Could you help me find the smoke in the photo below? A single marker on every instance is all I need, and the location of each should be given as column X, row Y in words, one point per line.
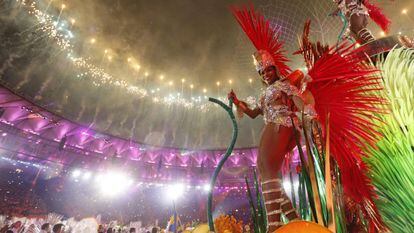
column 8, row 63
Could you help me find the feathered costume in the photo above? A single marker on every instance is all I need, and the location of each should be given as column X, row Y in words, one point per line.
column 343, row 88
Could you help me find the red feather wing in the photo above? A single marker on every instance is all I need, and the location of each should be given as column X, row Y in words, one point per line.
column 345, row 88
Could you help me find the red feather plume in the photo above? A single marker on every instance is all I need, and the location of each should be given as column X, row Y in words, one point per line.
column 375, row 13
column 345, row 87
column 262, row 35
column 310, row 51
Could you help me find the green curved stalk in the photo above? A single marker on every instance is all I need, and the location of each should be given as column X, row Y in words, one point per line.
column 343, row 30
column 253, row 212
column 229, row 110
column 261, row 212
column 345, row 22
column 305, row 172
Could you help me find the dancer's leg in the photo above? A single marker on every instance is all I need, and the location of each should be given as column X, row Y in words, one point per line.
column 359, row 22
column 287, row 208
column 275, row 143
column 272, row 193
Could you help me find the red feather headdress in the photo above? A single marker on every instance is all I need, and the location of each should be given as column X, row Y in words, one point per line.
column 264, row 38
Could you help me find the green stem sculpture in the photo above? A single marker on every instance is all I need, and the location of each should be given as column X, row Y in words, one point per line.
column 253, row 212
column 229, row 110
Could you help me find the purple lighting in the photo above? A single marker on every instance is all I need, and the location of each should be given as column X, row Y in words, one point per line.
column 24, row 123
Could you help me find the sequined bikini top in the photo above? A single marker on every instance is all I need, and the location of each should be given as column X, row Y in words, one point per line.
column 273, row 110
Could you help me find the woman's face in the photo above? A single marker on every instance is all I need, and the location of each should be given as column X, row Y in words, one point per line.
column 270, row 75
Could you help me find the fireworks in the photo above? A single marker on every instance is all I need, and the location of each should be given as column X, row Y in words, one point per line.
column 59, row 31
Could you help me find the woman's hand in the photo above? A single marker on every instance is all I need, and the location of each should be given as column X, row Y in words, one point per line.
column 231, row 95
column 242, row 107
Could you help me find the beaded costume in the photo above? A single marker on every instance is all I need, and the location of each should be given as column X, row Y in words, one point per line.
column 352, row 7
column 273, row 110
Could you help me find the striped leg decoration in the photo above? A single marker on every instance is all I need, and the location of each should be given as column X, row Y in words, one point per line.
column 272, row 194
column 365, row 36
column 287, row 208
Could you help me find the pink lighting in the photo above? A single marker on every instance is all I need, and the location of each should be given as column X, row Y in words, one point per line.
column 85, row 147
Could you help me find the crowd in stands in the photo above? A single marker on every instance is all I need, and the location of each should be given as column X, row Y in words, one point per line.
column 54, row 223
column 25, row 206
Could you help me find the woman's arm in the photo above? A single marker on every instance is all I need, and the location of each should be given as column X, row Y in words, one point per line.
column 243, row 106
column 252, row 113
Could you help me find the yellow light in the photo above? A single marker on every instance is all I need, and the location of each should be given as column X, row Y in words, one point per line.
column 182, row 80
column 137, row 67
column 129, row 59
column 230, row 81
column 63, row 6
column 110, row 58
column 93, row 40
column 218, row 83
column 170, row 83
column 250, row 80
column 72, row 21
column 191, row 86
column 161, row 77
column 106, row 51
column 382, row 33
column 205, row 90
column 404, row 11
column 399, row 33
column 146, row 74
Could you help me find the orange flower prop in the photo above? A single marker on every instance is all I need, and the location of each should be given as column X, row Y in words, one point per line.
column 227, row 224
column 302, row 227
